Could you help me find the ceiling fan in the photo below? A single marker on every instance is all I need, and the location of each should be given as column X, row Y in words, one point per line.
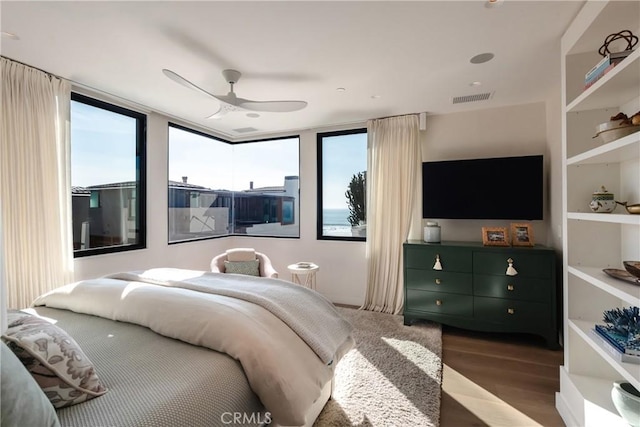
column 230, row 102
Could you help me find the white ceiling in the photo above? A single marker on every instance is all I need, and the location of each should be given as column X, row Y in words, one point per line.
column 413, row 55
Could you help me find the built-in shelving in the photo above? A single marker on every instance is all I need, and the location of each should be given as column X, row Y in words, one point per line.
column 627, row 292
column 605, row 217
column 617, row 87
column 595, row 394
column 620, row 150
column 593, row 241
column 629, row 371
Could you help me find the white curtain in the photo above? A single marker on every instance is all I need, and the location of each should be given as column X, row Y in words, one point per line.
column 393, row 169
column 35, row 183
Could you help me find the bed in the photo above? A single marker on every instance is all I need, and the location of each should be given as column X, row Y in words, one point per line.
column 183, row 347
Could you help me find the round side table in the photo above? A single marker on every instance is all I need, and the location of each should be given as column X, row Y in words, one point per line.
column 304, row 276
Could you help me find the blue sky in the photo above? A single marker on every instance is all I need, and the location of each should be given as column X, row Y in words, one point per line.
column 343, row 156
column 103, row 151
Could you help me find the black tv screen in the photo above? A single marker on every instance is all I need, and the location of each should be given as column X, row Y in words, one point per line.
column 497, row 188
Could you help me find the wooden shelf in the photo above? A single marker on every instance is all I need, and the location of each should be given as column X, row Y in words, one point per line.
column 620, row 150
column 595, row 397
column 629, row 371
column 603, row 217
column 627, row 292
column 615, row 88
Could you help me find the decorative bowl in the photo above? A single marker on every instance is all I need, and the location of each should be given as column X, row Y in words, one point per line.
column 632, row 209
column 610, row 131
column 626, row 399
column 632, row 267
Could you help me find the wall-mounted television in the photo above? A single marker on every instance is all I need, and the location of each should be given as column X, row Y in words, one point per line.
column 508, row 188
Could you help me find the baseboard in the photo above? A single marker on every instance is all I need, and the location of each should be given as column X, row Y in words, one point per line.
column 565, row 412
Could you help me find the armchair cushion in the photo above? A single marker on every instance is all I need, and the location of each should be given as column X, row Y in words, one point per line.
column 250, row 268
column 243, row 254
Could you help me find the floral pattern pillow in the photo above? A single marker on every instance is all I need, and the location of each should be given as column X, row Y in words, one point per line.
column 250, row 268
column 54, row 359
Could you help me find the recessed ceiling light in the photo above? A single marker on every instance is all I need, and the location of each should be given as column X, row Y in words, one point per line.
column 493, row 3
column 341, row 89
column 375, row 97
column 475, row 83
column 253, row 115
column 10, row 35
column 482, row 58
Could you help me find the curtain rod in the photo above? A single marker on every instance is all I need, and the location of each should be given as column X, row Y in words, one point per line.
column 78, row 85
column 31, row 66
column 397, row 115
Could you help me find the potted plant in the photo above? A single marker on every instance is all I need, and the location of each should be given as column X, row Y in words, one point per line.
column 356, row 197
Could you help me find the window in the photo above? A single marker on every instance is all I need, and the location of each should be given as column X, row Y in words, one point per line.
column 107, row 177
column 342, row 170
column 218, row 189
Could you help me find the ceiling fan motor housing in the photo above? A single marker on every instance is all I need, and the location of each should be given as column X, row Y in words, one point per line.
column 231, row 76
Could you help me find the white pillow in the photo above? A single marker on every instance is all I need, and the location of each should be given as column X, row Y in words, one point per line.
column 241, row 254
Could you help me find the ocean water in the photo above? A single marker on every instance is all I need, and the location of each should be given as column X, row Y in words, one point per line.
column 335, row 217
column 335, row 222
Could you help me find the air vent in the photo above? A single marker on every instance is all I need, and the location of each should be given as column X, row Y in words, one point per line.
column 472, row 98
column 245, row 130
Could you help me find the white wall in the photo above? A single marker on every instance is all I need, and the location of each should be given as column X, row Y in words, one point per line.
column 519, row 130
column 498, row 132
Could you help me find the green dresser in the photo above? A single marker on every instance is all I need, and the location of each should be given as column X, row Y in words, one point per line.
column 473, row 291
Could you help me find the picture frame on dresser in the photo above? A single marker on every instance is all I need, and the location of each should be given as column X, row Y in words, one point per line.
column 521, row 234
column 495, row 236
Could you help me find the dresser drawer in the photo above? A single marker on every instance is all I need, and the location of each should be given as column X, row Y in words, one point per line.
column 516, row 287
column 439, row 302
column 521, row 313
column 439, row 281
column 451, row 258
column 526, row 264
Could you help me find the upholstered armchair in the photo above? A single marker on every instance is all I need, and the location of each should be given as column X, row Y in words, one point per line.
column 238, row 259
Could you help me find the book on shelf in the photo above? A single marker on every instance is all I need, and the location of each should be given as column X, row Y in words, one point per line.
column 615, row 351
column 611, row 58
column 619, row 341
column 594, row 80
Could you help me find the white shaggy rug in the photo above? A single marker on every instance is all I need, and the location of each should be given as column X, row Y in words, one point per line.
column 392, row 377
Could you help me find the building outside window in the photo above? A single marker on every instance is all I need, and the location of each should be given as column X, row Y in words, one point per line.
column 107, row 177
column 342, row 165
column 218, row 189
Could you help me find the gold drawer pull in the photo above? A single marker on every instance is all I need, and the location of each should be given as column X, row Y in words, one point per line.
column 438, row 281
column 438, row 302
column 510, row 287
column 511, row 311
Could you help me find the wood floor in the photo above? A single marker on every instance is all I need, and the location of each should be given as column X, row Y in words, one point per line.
column 498, row 380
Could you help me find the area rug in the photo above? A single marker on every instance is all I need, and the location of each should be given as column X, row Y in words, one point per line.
column 392, row 377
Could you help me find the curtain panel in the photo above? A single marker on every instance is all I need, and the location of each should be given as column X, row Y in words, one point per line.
column 35, row 183
column 393, row 169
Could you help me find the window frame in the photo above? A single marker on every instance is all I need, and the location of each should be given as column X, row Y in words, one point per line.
column 217, row 138
column 141, row 174
column 319, row 216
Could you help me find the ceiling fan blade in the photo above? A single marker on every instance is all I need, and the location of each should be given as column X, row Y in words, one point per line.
column 218, row 114
column 224, row 109
column 184, row 82
column 273, row 106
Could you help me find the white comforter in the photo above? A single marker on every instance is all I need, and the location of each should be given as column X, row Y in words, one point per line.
column 285, row 371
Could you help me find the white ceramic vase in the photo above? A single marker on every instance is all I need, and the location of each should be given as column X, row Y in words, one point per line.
column 627, row 401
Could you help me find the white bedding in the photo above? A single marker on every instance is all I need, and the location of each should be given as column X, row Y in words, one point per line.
column 282, row 369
